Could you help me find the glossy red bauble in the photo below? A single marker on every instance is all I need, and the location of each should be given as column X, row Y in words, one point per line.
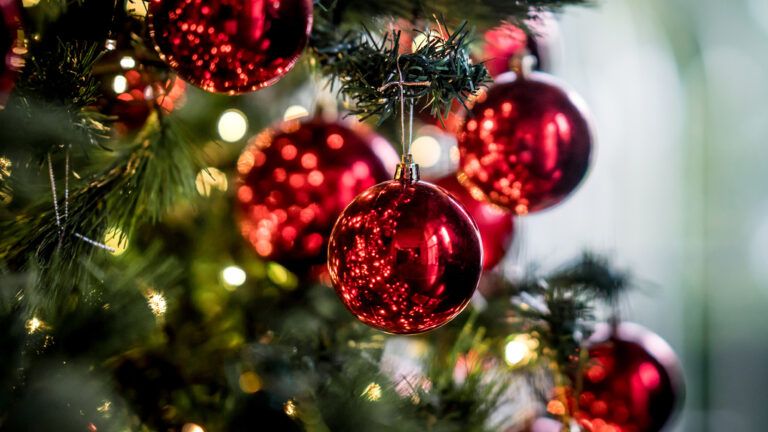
column 496, row 225
column 231, row 46
column 131, row 90
column 527, row 144
column 405, row 257
column 10, row 54
column 295, row 179
column 632, row 383
column 502, row 43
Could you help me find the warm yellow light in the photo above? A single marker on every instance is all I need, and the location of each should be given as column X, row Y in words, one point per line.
column 6, row 167
column 250, row 382
column 120, row 84
column 127, row 62
column 210, row 179
column 137, row 8
column 233, row 276
column 104, row 407
column 191, row 427
column 157, row 303
column 372, row 392
column 233, row 125
column 115, row 239
column 30, row 3
column 34, row 325
column 295, row 112
column 426, row 151
column 290, row 408
column 520, row 350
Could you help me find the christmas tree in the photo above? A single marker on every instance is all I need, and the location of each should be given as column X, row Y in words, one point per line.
column 163, row 269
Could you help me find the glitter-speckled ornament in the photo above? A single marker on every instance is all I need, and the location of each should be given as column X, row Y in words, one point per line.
column 496, row 224
column 528, row 143
column 296, row 179
column 632, row 383
column 10, row 54
column 231, row 46
column 405, row 257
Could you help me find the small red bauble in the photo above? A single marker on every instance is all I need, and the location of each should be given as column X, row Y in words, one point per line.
column 495, row 224
column 130, row 90
column 405, row 257
column 231, row 46
column 528, row 143
column 10, row 56
column 502, row 43
column 632, row 383
column 297, row 178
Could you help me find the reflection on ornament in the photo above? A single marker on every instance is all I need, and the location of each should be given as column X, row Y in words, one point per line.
column 295, row 112
column 230, row 46
column 632, row 383
column 527, row 145
column 405, row 257
column 296, row 179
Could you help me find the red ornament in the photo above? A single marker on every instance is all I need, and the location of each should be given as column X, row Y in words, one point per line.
column 632, row 383
column 10, row 50
column 405, row 257
column 231, row 46
column 527, row 144
column 495, row 224
column 502, row 43
column 130, row 90
column 297, row 178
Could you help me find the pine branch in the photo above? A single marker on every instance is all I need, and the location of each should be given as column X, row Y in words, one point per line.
column 367, row 70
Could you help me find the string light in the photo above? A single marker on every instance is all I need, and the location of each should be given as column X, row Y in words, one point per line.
column 120, row 84
column 233, row 276
column 34, row 325
column 520, row 350
column 157, row 303
column 233, row 125
column 250, row 382
column 372, row 392
column 290, row 408
column 295, row 112
column 210, row 179
column 127, row 62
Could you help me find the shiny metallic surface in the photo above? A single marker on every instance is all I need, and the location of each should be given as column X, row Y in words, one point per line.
column 405, row 257
column 527, row 144
column 295, row 180
column 231, row 46
column 496, row 224
column 633, row 382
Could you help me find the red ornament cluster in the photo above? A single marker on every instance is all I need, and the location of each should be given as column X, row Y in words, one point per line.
column 296, row 179
column 231, row 46
column 633, row 382
column 10, row 55
column 527, row 144
column 405, row 257
column 496, row 225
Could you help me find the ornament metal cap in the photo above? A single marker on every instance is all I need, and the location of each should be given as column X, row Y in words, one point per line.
column 407, row 170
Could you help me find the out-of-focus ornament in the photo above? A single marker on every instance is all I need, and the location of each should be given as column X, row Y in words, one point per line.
column 12, row 47
column 496, row 224
column 632, row 383
column 132, row 87
column 502, row 43
column 296, row 179
column 405, row 256
column 527, row 144
column 231, row 46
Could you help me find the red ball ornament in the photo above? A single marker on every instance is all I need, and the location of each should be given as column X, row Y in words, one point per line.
column 502, row 43
column 295, row 179
column 131, row 90
column 231, row 46
column 405, row 257
column 632, row 383
column 10, row 49
column 528, row 143
column 495, row 224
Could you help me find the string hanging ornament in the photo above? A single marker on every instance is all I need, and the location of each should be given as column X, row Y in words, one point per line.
column 405, row 257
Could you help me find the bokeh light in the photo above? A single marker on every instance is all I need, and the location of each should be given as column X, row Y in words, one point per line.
column 115, row 239
column 295, row 112
column 233, row 276
column 233, row 125
column 210, row 179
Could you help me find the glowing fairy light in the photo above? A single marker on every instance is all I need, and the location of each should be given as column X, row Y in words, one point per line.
column 127, row 62
column 30, row 3
column 210, row 179
column 233, row 125
column 120, row 84
column 157, row 303
column 250, row 382
column 426, row 151
column 295, row 112
column 520, row 350
column 372, row 392
column 117, row 240
column 233, row 276
column 34, row 325
column 291, row 409
column 192, row 427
